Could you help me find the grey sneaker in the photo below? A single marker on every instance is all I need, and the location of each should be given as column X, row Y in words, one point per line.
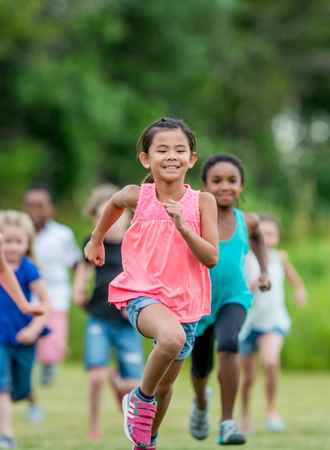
column 199, row 419
column 230, row 434
column 7, row 442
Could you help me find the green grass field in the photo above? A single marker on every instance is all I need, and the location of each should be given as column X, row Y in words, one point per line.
column 304, row 402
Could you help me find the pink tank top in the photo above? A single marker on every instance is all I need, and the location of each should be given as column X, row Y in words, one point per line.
column 157, row 261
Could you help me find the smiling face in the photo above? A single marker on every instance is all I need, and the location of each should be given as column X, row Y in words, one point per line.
column 224, row 181
column 169, row 156
column 15, row 243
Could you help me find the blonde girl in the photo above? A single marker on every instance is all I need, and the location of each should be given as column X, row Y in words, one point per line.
column 19, row 331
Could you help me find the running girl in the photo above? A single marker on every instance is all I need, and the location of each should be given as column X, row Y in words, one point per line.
column 223, row 176
column 267, row 324
column 18, row 331
column 166, row 253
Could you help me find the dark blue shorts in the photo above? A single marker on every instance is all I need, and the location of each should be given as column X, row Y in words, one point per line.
column 103, row 338
column 16, row 364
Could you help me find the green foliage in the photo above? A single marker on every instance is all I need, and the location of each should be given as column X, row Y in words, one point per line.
column 305, row 347
column 20, row 161
column 84, row 78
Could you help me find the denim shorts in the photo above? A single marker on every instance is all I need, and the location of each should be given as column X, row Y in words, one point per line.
column 102, row 338
column 136, row 305
column 249, row 345
column 16, row 364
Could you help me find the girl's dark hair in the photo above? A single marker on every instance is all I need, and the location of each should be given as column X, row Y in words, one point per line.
column 227, row 158
column 165, row 123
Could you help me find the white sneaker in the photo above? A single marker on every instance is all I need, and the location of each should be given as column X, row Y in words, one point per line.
column 276, row 425
column 230, row 434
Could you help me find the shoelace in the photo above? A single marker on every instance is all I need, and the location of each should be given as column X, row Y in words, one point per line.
column 199, row 416
column 229, row 428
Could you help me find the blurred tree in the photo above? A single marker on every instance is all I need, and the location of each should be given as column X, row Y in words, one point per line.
column 80, row 80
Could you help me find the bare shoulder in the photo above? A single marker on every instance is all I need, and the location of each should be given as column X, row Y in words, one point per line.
column 283, row 255
column 206, row 201
column 127, row 197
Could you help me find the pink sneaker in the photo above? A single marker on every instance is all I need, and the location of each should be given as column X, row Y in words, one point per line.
column 136, row 447
column 138, row 419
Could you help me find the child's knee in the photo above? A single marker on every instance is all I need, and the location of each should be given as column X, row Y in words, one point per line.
column 248, row 380
column 270, row 364
column 229, row 344
column 172, row 343
column 98, row 376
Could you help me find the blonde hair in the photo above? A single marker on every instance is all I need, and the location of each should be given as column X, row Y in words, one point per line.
column 98, row 197
column 270, row 218
column 12, row 218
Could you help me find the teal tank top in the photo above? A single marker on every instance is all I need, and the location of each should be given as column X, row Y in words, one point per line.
column 228, row 276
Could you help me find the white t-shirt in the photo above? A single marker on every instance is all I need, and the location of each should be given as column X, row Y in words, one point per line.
column 268, row 309
column 56, row 252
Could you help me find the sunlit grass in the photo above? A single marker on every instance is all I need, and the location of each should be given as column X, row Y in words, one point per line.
column 304, row 403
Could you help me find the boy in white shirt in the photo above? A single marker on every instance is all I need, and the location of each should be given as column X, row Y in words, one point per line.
column 56, row 252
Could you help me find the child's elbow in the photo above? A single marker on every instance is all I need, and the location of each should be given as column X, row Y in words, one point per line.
column 212, row 259
column 212, row 263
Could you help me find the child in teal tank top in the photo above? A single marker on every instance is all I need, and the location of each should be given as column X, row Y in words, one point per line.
column 228, row 279
column 223, row 176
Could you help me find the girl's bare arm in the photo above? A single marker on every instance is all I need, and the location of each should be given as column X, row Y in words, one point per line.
column 30, row 333
column 259, row 249
column 294, row 279
column 204, row 247
column 81, row 278
column 126, row 198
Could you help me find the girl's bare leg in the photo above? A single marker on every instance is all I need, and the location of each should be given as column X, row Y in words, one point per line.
column 97, row 378
column 164, row 393
column 248, row 365
column 6, row 415
column 158, row 322
column 270, row 346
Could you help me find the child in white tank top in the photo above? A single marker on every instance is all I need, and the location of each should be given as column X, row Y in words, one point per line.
column 267, row 323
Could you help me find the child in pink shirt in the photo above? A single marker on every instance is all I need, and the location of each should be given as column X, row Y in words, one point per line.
column 166, row 252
